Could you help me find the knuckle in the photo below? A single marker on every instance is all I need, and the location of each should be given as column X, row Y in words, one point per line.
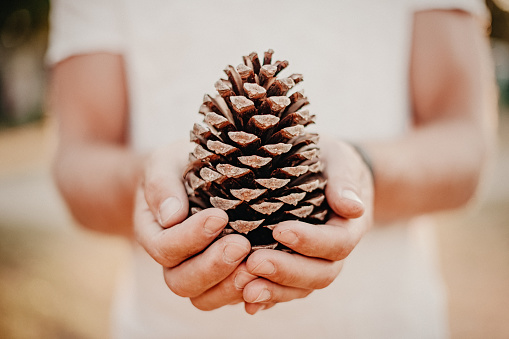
column 345, row 251
column 339, row 253
column 154, row 158
column 178, row 287
column 227, row 290
column 164, row 255
column 216, row 260
column 336, row 256
column 235, row 302
column 328, row 278
column 343, row 245
column 307, row 292
column 200, row 304
column 324, row 281
column 140, row 238
column 213, row 267
column 289, row 279
column 269, row 305
column 151, row 183
column 303, row 293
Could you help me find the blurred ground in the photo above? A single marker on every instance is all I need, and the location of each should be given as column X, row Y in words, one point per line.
column 56, row 281
column 474, row 250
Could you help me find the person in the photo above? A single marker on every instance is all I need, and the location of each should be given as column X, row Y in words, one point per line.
column 408, row 81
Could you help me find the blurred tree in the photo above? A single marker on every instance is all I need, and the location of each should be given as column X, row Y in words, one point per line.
column 499, row 10
column 500, row 18
column 23, row 39
column 21, row 18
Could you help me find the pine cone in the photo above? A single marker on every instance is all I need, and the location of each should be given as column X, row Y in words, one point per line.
column 253, row 157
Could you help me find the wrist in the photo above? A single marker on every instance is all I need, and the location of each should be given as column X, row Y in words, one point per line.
column 366, row 158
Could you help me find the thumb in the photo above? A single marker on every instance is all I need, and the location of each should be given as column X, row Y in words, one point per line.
column 344, row 170
column 343, row 199
column 164, row 188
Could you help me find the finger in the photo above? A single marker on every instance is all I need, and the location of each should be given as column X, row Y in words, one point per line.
column 227, row 292
column 164, row 190
column 345, row 179
column 253, row 308
column 170, row 246
column 200, row 273
column 333, row 241
column 293, row 270
column 265, row 291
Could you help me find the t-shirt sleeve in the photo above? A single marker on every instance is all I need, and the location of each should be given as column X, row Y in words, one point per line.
column 84, row 27
column 475, row 7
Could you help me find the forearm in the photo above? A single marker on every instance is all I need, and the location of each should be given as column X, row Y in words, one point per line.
column 98, row 182
column 438, row 164
column 435, row 167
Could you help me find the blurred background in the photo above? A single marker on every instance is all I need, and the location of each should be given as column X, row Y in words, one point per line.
column 57, row 280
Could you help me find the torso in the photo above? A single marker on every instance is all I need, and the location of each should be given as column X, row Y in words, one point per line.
column 354, row 57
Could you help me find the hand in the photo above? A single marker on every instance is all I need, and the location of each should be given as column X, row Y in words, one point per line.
column 211, row 276
column 319, row 249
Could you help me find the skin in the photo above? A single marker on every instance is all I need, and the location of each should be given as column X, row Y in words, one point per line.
column 454, row 118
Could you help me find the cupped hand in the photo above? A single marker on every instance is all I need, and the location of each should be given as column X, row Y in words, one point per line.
column 210, row 273
column 319, row 250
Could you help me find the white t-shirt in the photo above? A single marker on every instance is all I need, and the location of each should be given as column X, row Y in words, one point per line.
column 355, row 59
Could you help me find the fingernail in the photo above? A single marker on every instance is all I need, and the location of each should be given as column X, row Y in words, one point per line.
column 242, row 279
column 351, row 195
column 234, row 252
column 169, row 208
column 264, row 268
column 286, row 237
column 214, row 224
column 264, row 295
